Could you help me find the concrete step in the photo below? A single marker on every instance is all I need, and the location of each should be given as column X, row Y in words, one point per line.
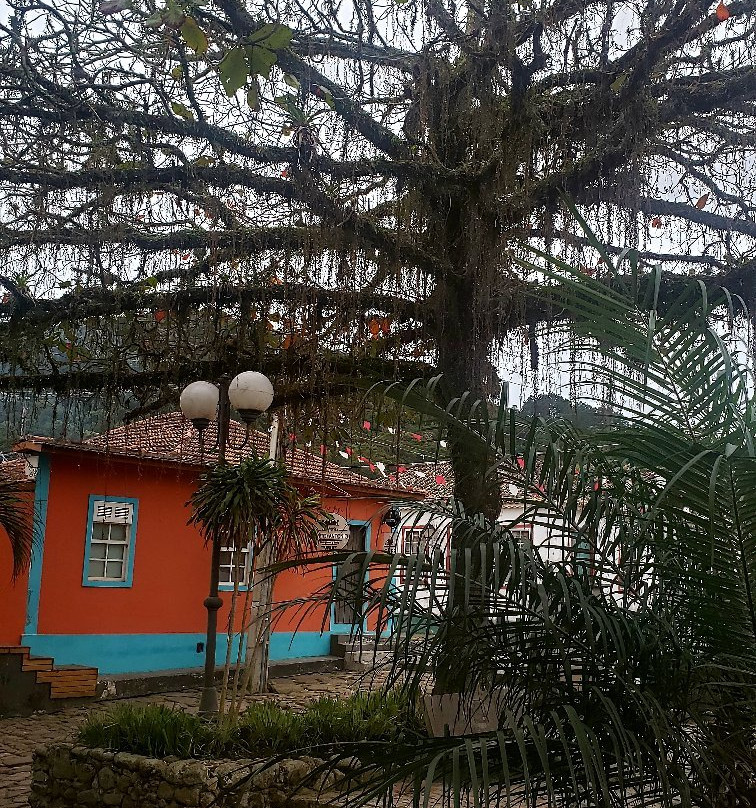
column 343, row 644
column 29, row 684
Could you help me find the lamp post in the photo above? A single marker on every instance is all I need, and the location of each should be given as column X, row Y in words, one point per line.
column 250, row 393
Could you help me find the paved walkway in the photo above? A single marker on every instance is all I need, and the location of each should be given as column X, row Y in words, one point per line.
column 19, row 737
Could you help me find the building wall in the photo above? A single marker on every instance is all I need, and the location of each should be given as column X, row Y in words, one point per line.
column 158, row 621
column 12, row 593
column 438, row 530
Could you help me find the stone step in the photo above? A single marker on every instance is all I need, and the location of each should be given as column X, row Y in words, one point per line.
column 344, row 644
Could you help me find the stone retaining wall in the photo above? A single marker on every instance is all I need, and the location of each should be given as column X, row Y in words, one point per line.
column 67, row 776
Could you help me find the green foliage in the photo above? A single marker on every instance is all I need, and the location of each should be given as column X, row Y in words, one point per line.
column 374, row 716
column 264, row 729
column 194, row 36
column 250, row 60
column 620, row 656
column 233, row 70
column 16, row 522
column 255, row 502
column 154, row 730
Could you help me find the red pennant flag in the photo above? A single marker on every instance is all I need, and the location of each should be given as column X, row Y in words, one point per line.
column 366, row 424
column 401, row 469
column 416, row 436
column 722, row 12
column 440, row 479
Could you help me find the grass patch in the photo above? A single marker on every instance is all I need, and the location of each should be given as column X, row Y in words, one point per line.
column 264, row 729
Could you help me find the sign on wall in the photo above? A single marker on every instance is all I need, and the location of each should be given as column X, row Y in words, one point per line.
column 334, row 535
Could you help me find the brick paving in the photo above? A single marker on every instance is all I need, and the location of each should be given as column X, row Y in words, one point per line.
column 19, row 737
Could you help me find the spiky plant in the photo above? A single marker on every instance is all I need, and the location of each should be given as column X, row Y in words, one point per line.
column 621, row 659
column 16, row 522
column 255, row 502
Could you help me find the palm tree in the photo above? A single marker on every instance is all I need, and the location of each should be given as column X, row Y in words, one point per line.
column 16, row 522
column 254, row 505
column 620, row 662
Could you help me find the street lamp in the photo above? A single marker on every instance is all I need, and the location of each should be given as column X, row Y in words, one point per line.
column 250, row 393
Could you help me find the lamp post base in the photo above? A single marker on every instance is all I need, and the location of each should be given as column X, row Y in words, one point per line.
column 208, row 706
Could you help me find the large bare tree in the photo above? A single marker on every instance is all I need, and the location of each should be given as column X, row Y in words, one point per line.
column 326, row 190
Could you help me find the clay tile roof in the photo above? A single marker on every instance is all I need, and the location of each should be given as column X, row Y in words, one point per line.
column 14, row 470
column 436, row 479
column 172, row 437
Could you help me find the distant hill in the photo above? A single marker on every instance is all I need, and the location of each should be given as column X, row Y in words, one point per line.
column 582, row 415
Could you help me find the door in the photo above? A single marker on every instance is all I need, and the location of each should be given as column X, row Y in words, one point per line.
column 348, row 597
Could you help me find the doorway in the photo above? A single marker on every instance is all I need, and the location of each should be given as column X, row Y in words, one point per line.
column 348, row 598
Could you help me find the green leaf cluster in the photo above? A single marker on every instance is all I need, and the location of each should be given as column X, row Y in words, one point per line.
column 255, row 502
column 253, row 59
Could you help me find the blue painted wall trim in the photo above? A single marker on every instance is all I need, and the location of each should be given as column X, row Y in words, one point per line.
column 141, row 653
column 41, row 495
column 130, row 548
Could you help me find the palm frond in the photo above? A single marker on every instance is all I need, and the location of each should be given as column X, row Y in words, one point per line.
column 17, row 523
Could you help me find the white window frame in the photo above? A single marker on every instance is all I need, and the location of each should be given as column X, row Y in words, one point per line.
column 226, row 582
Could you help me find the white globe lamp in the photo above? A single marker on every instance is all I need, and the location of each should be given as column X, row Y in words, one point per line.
column 250, row 394
column 199, row 403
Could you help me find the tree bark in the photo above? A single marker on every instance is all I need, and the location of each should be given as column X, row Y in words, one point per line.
column 464, row 347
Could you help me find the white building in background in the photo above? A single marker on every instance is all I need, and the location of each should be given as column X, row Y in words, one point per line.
column 420, row 531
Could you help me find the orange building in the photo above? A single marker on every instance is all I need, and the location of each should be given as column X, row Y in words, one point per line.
column 118, row 578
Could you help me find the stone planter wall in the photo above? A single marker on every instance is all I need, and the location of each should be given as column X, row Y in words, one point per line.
column 66, row 776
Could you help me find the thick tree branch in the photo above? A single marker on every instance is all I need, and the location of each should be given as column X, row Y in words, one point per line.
column 98, row 302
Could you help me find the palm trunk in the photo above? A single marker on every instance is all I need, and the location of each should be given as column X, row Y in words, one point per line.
column 229, row 637
column 255, row 676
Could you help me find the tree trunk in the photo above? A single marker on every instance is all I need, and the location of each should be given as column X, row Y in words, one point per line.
column 464, row 348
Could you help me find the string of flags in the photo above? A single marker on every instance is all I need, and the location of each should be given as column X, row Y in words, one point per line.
column 348, row 453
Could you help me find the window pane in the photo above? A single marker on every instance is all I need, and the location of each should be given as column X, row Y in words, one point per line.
column 116, row 552
column 97, row 551
column 96, row 569
column 118, row 533
column 114, row 570
column 225, row 575
column 99, row 532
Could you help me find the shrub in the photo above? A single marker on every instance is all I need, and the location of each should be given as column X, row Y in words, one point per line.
column 264, row 729
column 270, row 729
column 152, row 729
